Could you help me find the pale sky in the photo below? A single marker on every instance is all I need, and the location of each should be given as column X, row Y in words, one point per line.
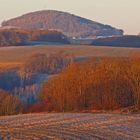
column 123, row 14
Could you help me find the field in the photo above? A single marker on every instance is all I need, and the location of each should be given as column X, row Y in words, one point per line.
column 70, row 126
column 15, row 56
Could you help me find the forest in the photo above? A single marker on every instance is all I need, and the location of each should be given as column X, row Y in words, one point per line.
column 24, row 82
column 96, row 84
column 62, row 84
column 18, row 36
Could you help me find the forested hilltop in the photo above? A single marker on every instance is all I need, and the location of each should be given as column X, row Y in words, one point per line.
column 69, row 24
column 118, row 41
column 18, row 36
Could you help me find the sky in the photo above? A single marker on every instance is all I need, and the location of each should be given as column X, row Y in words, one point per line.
column 122, row 14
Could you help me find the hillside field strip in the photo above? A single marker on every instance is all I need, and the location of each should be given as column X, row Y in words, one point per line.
column 15, row 56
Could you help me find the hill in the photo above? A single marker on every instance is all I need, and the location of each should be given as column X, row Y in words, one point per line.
column 69, row 24
column 120, row 41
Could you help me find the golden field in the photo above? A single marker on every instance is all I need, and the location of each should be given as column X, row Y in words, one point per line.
column 15, row 56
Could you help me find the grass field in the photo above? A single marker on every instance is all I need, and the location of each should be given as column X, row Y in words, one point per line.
column 14, row 56
column 71, row 126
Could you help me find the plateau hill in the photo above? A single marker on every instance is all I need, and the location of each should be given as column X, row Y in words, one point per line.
column 71, row 25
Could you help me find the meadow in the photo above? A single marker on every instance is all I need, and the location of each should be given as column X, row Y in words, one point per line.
column 15, row 56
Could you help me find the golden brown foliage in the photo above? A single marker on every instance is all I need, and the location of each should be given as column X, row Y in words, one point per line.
column 105, row 84
column 9, row 104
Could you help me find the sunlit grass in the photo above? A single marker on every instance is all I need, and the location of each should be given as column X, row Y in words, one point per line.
column 14, row 56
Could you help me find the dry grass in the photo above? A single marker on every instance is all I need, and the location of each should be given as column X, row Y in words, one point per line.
column 8, row 65
column 71, row 126
column 18, row 55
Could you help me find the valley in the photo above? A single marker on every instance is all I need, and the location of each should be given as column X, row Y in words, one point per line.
column 25, row 69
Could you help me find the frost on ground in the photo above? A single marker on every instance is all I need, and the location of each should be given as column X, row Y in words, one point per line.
column 70, row 126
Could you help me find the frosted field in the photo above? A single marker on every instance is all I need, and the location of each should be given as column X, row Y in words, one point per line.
column 70, row 126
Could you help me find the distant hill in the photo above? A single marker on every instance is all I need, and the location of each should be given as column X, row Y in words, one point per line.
column 120, row 41
column 17, row 36
column 69, row 24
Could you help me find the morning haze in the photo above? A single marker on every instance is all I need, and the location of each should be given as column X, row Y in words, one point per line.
column 123, row 14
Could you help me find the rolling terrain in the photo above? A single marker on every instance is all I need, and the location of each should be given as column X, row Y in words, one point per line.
column 71, row 126
column 66, row 77
column 16, row 56
column 61, row 126
column 69, row 24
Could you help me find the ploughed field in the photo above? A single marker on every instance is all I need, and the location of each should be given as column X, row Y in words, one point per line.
column 71, row 126
column 15, row 56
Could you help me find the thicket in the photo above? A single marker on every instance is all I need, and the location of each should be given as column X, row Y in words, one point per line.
column 103, row 84
column 24, row 83
column 95, row 84
column 9, row 104
column 19, row 36
column 46, row 63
